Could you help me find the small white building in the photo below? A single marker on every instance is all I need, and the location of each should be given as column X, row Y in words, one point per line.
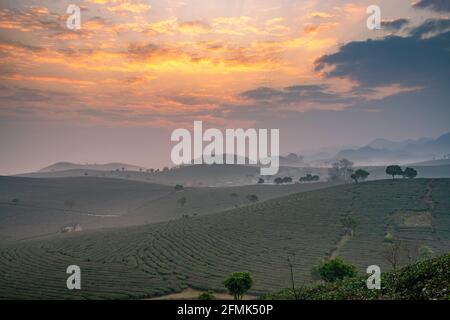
column 72, row 228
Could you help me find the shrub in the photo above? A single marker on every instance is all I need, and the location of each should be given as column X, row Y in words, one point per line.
column 425, row 253
column 207, row 295
column 389, row 238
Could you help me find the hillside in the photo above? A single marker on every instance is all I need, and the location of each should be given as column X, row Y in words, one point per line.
column 32, row 207
column 199, row 252
column 64, row 166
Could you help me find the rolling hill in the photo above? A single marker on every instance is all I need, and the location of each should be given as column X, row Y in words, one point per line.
column 32, row 207
column 199, row 252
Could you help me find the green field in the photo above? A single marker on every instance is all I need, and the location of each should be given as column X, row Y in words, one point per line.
column 200, row 251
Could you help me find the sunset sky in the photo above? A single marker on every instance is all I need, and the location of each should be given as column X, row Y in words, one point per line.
column 137, row 69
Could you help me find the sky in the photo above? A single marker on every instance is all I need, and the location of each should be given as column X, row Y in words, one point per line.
column 115, row 89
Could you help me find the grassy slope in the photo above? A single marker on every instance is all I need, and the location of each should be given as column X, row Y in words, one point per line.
column 103, row 202
column 200, row 252
column 426, row 280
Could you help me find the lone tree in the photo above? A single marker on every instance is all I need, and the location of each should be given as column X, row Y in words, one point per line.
column 253, row 198
column 238, row 284
column 69, row 204
column 360, row 174
column 410, row 173
column 182, row 201
column 394, row 171
column 179, row 187
column 349, row 223
column 334, row 270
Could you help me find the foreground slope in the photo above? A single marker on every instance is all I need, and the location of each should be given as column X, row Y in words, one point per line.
column 425, row 280
column 200, row 252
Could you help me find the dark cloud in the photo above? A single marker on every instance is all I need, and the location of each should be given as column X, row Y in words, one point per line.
column 435, row 5
column 294, row 94
column 431, row 27
column 407, row 61
column 395, row 24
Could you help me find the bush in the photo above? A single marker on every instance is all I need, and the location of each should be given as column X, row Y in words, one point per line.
column 207, row 295
column 389, row 238
column 336, row 269
column 253, row 198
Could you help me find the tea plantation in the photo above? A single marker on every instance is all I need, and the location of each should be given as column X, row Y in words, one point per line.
column 199, row 252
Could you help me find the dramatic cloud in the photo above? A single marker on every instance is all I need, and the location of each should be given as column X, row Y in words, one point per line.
column 436, row 5
column 395, row 24
column 406, row 61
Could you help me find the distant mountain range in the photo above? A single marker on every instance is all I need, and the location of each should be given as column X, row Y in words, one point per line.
column 382, row 151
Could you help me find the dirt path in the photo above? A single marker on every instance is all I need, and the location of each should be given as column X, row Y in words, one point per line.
column 191, row 294
column 339, row 245
column 428, row 198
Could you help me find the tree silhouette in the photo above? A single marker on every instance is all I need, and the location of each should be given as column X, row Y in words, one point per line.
column 394, row 170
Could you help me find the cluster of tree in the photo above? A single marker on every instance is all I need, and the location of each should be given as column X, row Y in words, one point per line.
column 284, row 180
column 399, row 252
column 341, row 170
column 310, row 178
column 395, row 170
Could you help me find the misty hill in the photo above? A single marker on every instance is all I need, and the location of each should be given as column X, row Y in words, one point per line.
column 199, row 252
column 395, row 145
column 64, row 166
column 441, row 162
column 34, row 207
